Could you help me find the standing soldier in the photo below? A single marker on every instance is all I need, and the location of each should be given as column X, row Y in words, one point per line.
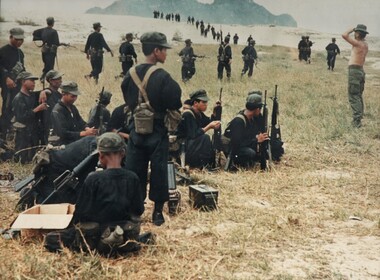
column 11, row 64
column 94, row 51
column 309, row 44
column 188, row 61
column 25, row 107
column 302, row 48
column 49, row 48
column 163, row 93
column 236, row 39
column 332, row 50
column 224, row 58
column 127, row 54
column 249, row 56
column 356, row 74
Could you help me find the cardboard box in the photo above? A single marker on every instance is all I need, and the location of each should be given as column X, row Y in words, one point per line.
column 203, row 197
column 40, row 219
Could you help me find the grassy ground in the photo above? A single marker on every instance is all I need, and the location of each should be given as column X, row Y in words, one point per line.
column 294, row 222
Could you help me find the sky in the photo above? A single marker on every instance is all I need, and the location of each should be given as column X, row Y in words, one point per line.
column 333, row 16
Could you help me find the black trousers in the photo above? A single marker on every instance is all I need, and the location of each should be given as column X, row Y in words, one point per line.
column 153, row 148
column 331, row 60
column 188, row 71
column 26, row 138
column 97, row 66
column 245, row 157
column 6, row 110
column 199, row 152
column 48, row 59
column 126, row 66
column 248, row 65
column 221, row 66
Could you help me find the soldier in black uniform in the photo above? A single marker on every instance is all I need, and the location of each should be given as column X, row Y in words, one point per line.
column 11, row 64
column 236, row 39
column 50, row 45
column 94, row 51
column 245, row 132
column 51, row 96
column 127, row 54
column 249, row 57
column 67, row 122
column 332, row 50
column 120, row 121
column 188, row 61
column 224, row 58
column 308, row 49
column 302, row 49
column 25, row 107
column 192, row 129
column 164, row 93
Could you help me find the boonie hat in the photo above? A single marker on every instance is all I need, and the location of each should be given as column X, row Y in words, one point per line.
column 17, row 33
column 361, row 28
column 70, row 87
column 53, row 75
column 26, row 76
column 110, row 142
column 199, row 95
column 96, row 25
column 155, row 38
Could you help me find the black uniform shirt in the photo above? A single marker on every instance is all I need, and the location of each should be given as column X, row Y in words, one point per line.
column 333, row 48
column 250, row 51
column 23, row 106
column 50, row 36
column 119, row 119
column 127, row 48
column 191, row 127
column 96, row 41
column 109, row 195
column 67, row 125
column 226, row 50
column 9, row 56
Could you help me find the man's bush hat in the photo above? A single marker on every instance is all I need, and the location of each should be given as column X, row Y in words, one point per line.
column 199, row 95
column 361, row 28
column 17, row 33
column 110, row 142
column 53, row 75
column 26, row 76
column 155, row 38
column 70, row 87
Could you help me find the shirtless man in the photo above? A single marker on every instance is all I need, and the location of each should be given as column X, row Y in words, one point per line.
column 356, row 74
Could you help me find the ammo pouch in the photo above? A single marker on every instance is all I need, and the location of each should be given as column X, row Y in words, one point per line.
column 186, row 58
column 144, row 113
column 172, row 120
column 246, row 57
column 122, row 58
column 17, row 69
column 96, row 53
column 45, row 48
column 221, row 58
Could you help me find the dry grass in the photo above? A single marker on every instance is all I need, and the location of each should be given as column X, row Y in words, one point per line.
column 26, row 21
column 274, row 225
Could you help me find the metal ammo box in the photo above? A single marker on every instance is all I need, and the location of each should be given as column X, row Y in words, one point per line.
column 203, row 197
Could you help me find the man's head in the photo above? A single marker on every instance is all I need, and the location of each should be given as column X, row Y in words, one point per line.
column 199, row 100
column 28, row 81
column 110, row 144
column 54, row 78
column 360, row 31
column 97, row 26
column 254, row 102
column 70, row 92
column 188, row 42
column 333, row 40
column 16, row 37
column 252, row 42
column 50, row 21
column 227, row 39
column 155, row 43
column 129, row 37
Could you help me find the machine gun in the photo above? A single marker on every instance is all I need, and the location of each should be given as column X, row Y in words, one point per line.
column 264, row 145
column 275, row 148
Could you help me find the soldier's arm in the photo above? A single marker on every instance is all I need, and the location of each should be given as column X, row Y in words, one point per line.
column 346, row 36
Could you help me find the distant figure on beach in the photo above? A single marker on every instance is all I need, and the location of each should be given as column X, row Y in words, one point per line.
column 127, row 54
column 356, row 74
column 188, row 61
column 236, row 39
column 249, row 39
column 308, row 49
column 332, row 50
column 249, row 57
column 302, row 49
column 94, row 51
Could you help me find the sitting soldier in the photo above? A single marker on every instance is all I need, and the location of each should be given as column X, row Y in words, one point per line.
column 109, row 205
column 193, row 128
column 245, row 133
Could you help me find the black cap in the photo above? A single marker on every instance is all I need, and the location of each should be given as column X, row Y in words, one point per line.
column 200, row 94
column 96, row 25
column 154, row 38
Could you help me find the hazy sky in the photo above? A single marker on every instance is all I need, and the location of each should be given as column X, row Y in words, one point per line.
column 334, row 16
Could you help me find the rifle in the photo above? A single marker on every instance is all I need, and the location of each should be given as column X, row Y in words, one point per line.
column 264, row 145
column 217, row 137
column 275, row 144
column 98, row 119
column 70, row 178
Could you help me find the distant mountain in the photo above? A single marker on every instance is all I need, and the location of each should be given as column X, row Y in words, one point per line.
column 245, row 12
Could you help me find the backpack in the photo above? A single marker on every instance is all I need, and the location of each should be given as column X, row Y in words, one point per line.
column 226, row 137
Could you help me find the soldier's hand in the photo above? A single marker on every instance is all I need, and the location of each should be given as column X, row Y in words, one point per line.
column 215, row 124
column 41, row 107
column 91, row 131
column 262, row 137
column 10, row 83
column 42, row 98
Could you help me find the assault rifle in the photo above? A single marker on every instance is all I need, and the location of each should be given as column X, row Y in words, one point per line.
column 276, row 150
column 70, row 178
column 263, row 148
column 217, row 137
column 99, row 123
